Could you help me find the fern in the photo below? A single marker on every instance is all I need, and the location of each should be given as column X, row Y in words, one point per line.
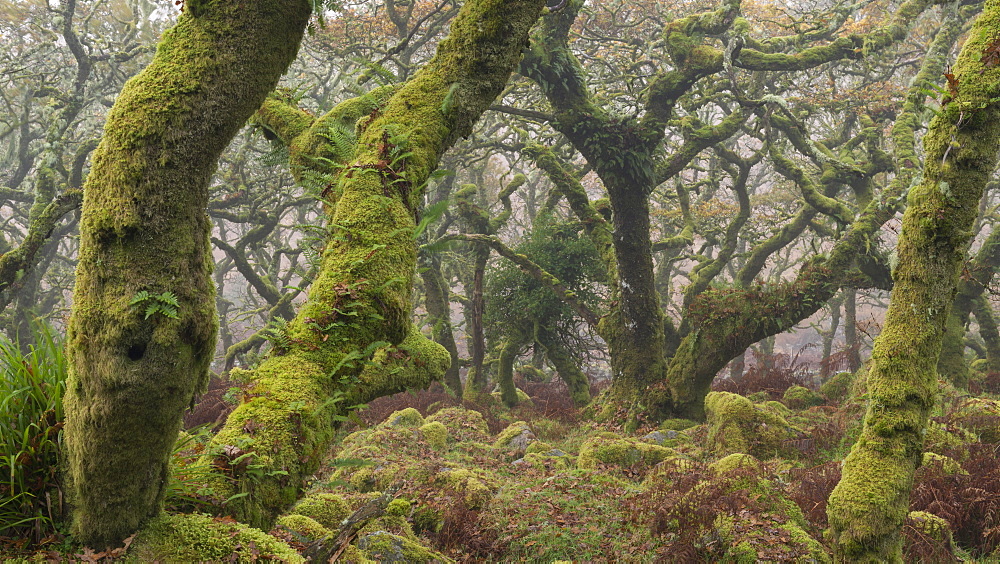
column 341, row 137
column 276, row 333
column 276, row 156
column 166, row 304
column 379, row 73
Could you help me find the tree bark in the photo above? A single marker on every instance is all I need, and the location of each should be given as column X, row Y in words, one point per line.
column 144, row 229
column 353, row 340
column 867, row 508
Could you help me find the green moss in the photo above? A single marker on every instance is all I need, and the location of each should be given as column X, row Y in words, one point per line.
column 737, row 425
column 523, row 399
column 734, row 461
column 463, row 424
column 304, row 526
column 624, row 452
column 934, row 527
column 538, row 447
column 436, row 435
column 677, row 424
column 326, row 509
column 428, row 519
column 780, row 540
column 948, row 465
column 940, row 438
column 800, row 397
column 381, row 546
column 399, row 507
column 200, row 538
column 472, row 485
column 980, row 416
column 837, row 387
column 546, row 461
column 777, row 408
column 515, row 438
column 408, row 417
column 800, row 538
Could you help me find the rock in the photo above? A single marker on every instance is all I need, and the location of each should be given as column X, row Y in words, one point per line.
column 980, row 416
column 515, row 438
column 408, row 417
column 382, row 546
column 838, row 386
column 800, row 397
column 934, row 528
column 462, row 424
column 325, row 508
column 737, row 425
column 626, row 452
column 949, row 466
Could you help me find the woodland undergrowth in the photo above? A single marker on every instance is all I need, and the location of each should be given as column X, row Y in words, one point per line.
column 540, row 482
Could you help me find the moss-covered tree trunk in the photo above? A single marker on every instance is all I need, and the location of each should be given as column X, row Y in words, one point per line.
column 981, row 269
column 144, row 229
column 726, row 321
column 983, row 311
column 437, row 300
column 868, row 506
column 353, row 340
column 567, row 367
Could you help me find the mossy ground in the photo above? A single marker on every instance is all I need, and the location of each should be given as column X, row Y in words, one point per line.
column 576, row 491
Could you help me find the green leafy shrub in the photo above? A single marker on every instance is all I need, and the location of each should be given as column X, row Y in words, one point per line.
column 32, row 383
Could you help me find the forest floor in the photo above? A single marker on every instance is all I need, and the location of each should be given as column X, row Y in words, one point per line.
column 422, row 477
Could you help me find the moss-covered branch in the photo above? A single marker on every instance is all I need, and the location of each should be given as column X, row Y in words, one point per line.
column 355, row 330
column 854, row 46
column 537, row 272
column 868, row 506
column 16, row 263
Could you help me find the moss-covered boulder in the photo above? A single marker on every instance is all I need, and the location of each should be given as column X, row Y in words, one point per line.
column 436, row 435
column 551, row 459
column 949, row 466
column 941, row 437
column 475, row 487
column 933, row 529
column 800, row 397
column 767, row 538
column 202, row 538
column 838, row 386
column 737, row 425
column 625, row 452
column 408, row 417
column 777, row 408
column 514, row 439
column 464, row 425
column 677, row 424
column 382, row 546
column 733, row 462
column 325, row 508
column 523, row 399
column 305, row 527
column 980, row 416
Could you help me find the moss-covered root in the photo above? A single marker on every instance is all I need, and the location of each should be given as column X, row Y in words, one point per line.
column 360, row 298
column 137, row 360
column 868, row 506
